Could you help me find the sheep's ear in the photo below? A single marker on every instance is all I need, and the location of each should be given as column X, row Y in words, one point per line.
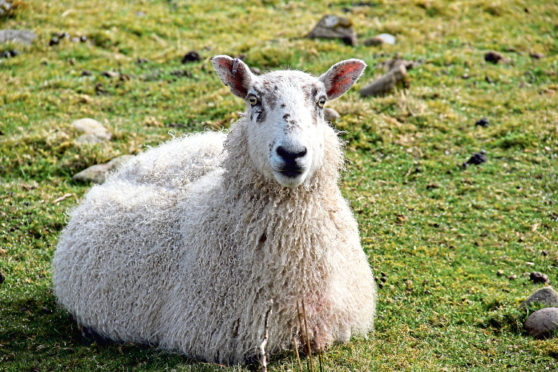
column 233, row 73
column 341, row 76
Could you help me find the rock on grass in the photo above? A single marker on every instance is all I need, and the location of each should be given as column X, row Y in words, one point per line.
column 334, row 27
column 92, row 127
column 537, row 277
column 99, row 172
column 331, row 115
column 25, row 37
column 542, row 322
column 483, row 122
column 191, row 56
column 475, row 159
column 494, row 57
column 386, row 83
column 546, row 296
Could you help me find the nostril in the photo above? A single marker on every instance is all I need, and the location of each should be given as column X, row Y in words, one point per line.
column 290, row 155
column 282, row 152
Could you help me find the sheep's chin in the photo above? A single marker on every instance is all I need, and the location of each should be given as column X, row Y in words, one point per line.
column 291, row 182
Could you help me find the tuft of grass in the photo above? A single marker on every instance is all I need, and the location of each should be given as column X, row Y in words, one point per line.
column 439, row 233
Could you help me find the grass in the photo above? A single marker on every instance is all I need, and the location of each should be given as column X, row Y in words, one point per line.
column 437, row 232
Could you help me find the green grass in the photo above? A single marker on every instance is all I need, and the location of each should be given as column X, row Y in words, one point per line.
column 439, row 233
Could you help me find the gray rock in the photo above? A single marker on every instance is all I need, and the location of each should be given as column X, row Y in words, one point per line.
column 92, row 127
column 99, row 172
column 88, row 139
column 542, row 322
column 334, row 27
column 546, row 296
column 385, row 83
column 331, row 115
column 17, row 36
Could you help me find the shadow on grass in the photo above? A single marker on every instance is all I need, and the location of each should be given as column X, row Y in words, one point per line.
column 36, row 334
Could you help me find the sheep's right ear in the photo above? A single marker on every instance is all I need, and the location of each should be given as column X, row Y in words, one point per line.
column 233, row 73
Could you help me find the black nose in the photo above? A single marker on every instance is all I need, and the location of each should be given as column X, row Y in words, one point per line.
column 290, row 156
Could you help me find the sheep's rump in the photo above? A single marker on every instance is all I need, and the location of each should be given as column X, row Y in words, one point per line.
column 123, row 236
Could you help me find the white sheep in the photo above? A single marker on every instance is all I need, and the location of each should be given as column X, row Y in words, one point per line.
column 190, row 245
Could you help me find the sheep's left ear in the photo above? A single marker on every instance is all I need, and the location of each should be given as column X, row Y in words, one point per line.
column 341, row 76
column 234, row 73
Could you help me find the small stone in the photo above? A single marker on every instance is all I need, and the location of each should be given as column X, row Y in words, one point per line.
column 396, row 62
column 83, row 38
column 75, row 39
column 537, row 277
column 482, row 123
column 53, row 41
column 493, row 57
column 334, row 27
column 109, row 74
column 14, row 52
column 500, row 272
column 88, row 139
column 475, row 159
column 181, row 73
column 542, row 322
column 512, row 277
column 25, row 37
column 373, row 41
column 100, row 89
column 6, row 54
column 191, row 56
column 86, row 73
column 528, row 263
column 386, row 83
column 140, row 61
column 386, row 39
column 546, row 296
column 91, row 126
column 331, row 115
column 63, row 35
column 536, row 55
column 99, row 172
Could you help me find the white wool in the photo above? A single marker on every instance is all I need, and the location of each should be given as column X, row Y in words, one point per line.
column 189, row 245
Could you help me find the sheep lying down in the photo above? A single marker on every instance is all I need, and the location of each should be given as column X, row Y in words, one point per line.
column 208, row 242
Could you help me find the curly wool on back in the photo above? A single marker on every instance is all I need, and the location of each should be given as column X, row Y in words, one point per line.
column 188, row 246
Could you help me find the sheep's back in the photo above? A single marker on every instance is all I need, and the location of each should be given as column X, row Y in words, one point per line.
column 176, row 163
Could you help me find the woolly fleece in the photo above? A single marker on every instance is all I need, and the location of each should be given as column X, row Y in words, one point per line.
column 187, row 246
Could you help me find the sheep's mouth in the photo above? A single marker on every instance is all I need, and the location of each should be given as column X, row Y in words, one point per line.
column 291, row 172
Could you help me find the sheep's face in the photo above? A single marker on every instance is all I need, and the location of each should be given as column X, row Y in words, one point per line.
column 286, row 132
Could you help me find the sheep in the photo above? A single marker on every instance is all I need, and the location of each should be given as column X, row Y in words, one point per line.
column 192, row 245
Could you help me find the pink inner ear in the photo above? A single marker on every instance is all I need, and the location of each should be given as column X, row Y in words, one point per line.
column 344, row 77
column 236, row 81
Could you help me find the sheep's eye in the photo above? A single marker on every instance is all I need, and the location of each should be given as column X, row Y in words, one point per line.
column 253, row 100
column 321, row 102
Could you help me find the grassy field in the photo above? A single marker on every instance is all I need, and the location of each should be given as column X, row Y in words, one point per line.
column 439, row 233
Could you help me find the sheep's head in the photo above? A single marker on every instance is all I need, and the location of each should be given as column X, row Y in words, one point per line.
column 286, row 132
